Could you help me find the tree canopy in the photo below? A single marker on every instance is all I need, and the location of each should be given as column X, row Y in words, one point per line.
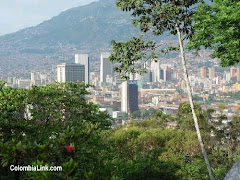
column 216, row 27
column 51, row 125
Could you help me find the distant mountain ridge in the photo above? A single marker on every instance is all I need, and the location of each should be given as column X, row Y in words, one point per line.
column 97, row 21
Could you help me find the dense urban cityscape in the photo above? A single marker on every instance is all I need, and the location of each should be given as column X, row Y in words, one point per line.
column 162, row 87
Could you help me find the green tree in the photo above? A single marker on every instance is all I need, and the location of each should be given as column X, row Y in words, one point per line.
column 148, row 112
column 115, row 108
column 210, row 111
column 234, row 133
column 125, row 116
column 185, row 121
column 157, row 17
column 235, row 127
column 216, row 27
column 136, row 114
column 37, row 126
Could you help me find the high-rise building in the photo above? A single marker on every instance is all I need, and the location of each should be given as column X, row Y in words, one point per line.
column 155, row 68
column 203, row 72
column 145, row 78
column 233, row 71
column 83, row 59
column 227, row 76
column 238, row 74
column 38, row 79
column 176, row 75
column 129, row 92
column 24, row 83
column 109, row 79
column 12, row 80
column 192, row 81
column 70, row 72
column 35, row 78
column 211, row 73
column 218, row 80
column 161, row 74
column 167, row 74
column 106, row 67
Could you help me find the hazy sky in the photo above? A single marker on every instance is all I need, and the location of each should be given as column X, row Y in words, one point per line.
column 18, row 14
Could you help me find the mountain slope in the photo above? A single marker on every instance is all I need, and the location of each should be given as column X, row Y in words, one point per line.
column 97, row 22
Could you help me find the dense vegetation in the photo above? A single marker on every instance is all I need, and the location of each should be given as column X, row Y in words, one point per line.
column 216, row 27
column 62, row 129
column 37, row 126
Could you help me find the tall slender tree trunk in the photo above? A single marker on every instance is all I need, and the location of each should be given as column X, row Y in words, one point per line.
column 192, row 105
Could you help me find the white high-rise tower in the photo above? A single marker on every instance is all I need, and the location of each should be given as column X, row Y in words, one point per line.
column 155, row 69
column 106, row 67
column 83, row 59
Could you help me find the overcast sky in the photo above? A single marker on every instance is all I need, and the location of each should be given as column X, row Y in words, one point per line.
column 18, row 14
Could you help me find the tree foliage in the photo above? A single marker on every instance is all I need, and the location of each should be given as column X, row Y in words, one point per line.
column 37, row 125
column 216, row 26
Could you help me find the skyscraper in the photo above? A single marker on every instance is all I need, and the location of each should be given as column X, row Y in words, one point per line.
column 211, row 73
column 218, row 80
column 167, row 74
column 176, row 75
column 233, row 71
column 38, row 78
column 145, row 78
column 70, row 72
column 203, row 72
column 83, row 59
column 155, row 68
column 238, row 74
column 106, row 67
column 161, row 74
column 129, row 92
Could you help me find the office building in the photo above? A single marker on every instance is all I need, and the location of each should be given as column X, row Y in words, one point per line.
column 38, row 79
column 24, row 83
column 106, row 67
column 238, row 74
column 155, row 68
column 167, row 74
column 12, row 81
column 227, row 76
column 203, row 72
column 161, row 74
column 70, row 73
column 176, row 75
column 83, row 59
column 233, row 72
column 129, row 93
column 218, row 80
column 211, row 73
column 146, row 78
